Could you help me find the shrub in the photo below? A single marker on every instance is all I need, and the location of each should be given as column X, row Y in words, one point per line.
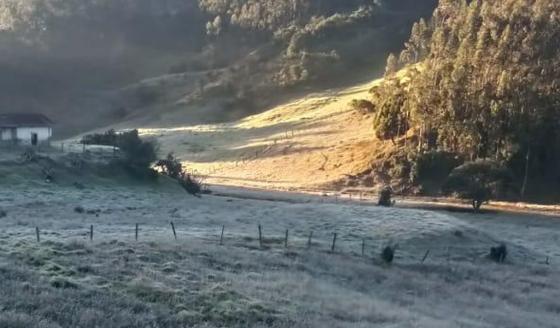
column 190, row 183
column 173, row 168
column 499, row 253
column 170, row 166
column 478, row 181
column 3, row 214
column 29, row 156
column 362, row 106
column 138, row 153
column 431, row 169
column 108, row 138
column 388, row 253
column 385, row 197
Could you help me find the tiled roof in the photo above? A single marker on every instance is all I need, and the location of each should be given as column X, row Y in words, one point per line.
column 24, row 120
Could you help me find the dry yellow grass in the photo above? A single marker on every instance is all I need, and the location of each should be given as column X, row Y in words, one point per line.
column 304, row 144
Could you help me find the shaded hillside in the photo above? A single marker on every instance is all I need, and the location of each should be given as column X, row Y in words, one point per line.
column 80, row 61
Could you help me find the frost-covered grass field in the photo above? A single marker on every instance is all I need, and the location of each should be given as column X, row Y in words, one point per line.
column 67, row 280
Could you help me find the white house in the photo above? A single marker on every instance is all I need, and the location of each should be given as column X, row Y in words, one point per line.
column 25, row 128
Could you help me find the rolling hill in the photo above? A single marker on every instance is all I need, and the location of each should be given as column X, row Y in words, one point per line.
column 94, row 63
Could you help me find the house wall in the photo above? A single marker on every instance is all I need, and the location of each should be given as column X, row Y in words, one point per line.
column 5, row 134
column 43, row 134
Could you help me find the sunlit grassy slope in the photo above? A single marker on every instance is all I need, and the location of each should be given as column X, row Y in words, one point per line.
column 305, row 143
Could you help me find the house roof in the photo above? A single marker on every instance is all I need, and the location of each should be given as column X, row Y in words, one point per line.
column 24, row 120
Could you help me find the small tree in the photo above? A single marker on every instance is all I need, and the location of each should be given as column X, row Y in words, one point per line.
column 385, row 197
column 170, row 166
column 478, row 181
column 430, row 169
column 139, row 155
column 173, row 168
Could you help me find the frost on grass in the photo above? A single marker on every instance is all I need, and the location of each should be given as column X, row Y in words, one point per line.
column 116, row 281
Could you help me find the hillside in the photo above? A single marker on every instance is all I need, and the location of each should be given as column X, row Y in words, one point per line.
column 311, row 142
column 73, row 278
column 94, row 63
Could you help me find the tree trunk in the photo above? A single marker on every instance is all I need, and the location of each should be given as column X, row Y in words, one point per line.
column 526, row 177
column 477, row 204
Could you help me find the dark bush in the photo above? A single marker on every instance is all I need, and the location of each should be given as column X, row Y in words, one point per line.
column 388, row 254
column 79, row 210
column 137, row 155
column 478, row 181
column 108, row 138
column 385, row 197
column 191, row 184
column 499, row 253
column 170, row 166
column 3, row 214
column 431, row 169
column 173, row 168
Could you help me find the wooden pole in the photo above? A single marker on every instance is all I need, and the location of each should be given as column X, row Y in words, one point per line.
column 309, row 239
column 91, row 232
column 425, row 256
column 260, row 236
column 286, row 239
column 333, row 242
column 38, row 233
column 174, row 232
column 136, row 233
column 363, row 247
column 222, row 235
column 526, row 175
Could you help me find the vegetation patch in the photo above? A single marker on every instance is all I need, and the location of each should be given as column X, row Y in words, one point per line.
column 471, row 74
column 478, row 181
column 219, row 304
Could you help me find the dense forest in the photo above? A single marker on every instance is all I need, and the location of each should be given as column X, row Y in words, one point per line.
column 61, row 56
column 481, row 80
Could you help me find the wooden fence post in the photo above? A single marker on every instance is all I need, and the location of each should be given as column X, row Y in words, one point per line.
column 136, row 233
column 174, row 232
column 309, row 239
column 363, row 247
column 286, row 239
column 426, row 256
column 333, row 242
column 260, row 236
column 222, row 235
column 38, row 234
column 91, row 232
